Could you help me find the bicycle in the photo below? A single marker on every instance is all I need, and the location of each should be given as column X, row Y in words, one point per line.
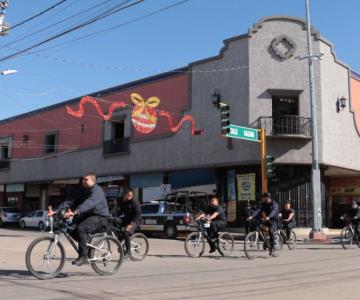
column 260, row 239
column 195, row 241
column 45, row 257
column 139, row 244
column 291, row 241
column 348, row 234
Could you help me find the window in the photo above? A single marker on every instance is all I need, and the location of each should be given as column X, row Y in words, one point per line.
column 285, row 112
column 39, row 214
column 4, row 151
column 50, row 143
column 117, row 130
column 150, row 208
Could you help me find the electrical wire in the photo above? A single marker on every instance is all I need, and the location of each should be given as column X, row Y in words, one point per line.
column 72, row 29
column 62, row 21
column 35, row 16
column 114, row 27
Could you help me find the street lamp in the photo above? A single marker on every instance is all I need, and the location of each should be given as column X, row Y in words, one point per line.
column 8, row 71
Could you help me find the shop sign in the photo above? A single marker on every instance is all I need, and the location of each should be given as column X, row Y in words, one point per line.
column 113, row 191
column 15, row 188
column 350, row 190
column 246, row 187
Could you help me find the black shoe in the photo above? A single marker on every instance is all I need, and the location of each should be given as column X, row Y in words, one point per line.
column 212, row 250
column 82, row 260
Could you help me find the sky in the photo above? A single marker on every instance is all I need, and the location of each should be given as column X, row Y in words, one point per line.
column 165, row 41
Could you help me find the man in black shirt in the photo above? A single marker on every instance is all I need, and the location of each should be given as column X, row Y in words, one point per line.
column 90, row 207
column 269, row 211
column 130, row 214
column 288, row 218
column 216, row 215
column 354, row 215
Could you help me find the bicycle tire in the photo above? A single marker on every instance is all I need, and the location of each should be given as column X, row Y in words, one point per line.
column 346, row 238
column 30, row 267
column 201, row 243
column 102, row 242
column 251, row 244
column 291, row 243
column 225, row 239
column 141, row 236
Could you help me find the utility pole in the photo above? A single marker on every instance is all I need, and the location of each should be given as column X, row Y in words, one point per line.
column 3, row 26
column 315, row 169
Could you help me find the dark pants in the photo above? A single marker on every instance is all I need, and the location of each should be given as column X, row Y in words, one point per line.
column 272, row 229
column 288, row 227
column 213, row 231
column 248, row 226
column 126, row 235
column 357, row 229
column 89, row 225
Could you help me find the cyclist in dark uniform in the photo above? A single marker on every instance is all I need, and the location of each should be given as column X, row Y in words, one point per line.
column 215, row 213
column 89, row 206
column 354, row 214
column 270, row 210
column 129, row 215
column 288, row 218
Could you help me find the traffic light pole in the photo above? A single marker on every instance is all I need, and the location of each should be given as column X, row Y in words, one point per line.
column 264, row 179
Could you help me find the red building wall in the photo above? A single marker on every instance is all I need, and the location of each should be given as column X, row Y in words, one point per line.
column 74, row 133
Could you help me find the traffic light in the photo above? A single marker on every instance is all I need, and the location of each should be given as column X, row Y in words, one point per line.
column 270, row 168
column 225, row 118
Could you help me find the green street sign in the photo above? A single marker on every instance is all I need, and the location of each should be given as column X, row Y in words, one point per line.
column 244, row 133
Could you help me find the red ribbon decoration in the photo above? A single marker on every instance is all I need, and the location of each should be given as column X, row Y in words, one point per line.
column 87, row 99
column 80, row 112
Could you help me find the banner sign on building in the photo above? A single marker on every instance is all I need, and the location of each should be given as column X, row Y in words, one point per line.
column 246, row 187
column 231, row 196
column 15, row 188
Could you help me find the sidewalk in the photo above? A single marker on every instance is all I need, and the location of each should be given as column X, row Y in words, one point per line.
column 301, row 233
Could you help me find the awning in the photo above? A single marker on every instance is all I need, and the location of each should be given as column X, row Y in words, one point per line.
column 189, row 178
column 101, row 179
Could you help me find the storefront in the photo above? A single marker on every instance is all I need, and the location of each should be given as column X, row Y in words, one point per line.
column 341, row 191
column 14, row 196
column 113, row 187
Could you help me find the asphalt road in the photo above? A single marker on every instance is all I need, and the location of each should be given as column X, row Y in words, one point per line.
column 321, row 271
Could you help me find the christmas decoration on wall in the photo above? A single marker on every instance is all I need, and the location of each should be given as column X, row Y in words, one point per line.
column 144, row 115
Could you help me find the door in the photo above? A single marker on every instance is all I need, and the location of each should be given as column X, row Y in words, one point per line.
column 285, row 110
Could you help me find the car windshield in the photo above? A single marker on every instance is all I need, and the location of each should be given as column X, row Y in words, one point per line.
column 11, row 210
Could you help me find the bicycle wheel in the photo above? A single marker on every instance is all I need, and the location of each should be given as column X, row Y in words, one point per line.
column 106, row 255
column 225, row 244
column 346, row 238
column 252, row 244
column 44, row 258
column 139, row 247
column 194, row 244
column 291, row 242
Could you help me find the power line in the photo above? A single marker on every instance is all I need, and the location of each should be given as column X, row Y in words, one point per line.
column 84, row 24
column 97, row 6
column 115, row 27
column 35, row 16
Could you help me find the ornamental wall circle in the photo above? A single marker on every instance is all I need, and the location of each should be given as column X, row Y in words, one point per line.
column 283, row 46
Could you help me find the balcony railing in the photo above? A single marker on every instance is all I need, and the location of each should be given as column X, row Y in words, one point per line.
column 285, row 126
column 116, row 146
column 4, row 164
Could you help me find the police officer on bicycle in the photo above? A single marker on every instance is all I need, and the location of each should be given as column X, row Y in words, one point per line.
column 354, row 214
column 216, row 215
column 129, row 214
column 288, row 218
column 90, row 209
column 270, row 210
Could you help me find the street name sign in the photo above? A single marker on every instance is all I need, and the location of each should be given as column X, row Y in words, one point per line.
column 244, row 133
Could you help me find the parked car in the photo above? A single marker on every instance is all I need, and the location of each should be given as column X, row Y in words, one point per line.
column 9, row 215
column 37, row 218
column 172, row 215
